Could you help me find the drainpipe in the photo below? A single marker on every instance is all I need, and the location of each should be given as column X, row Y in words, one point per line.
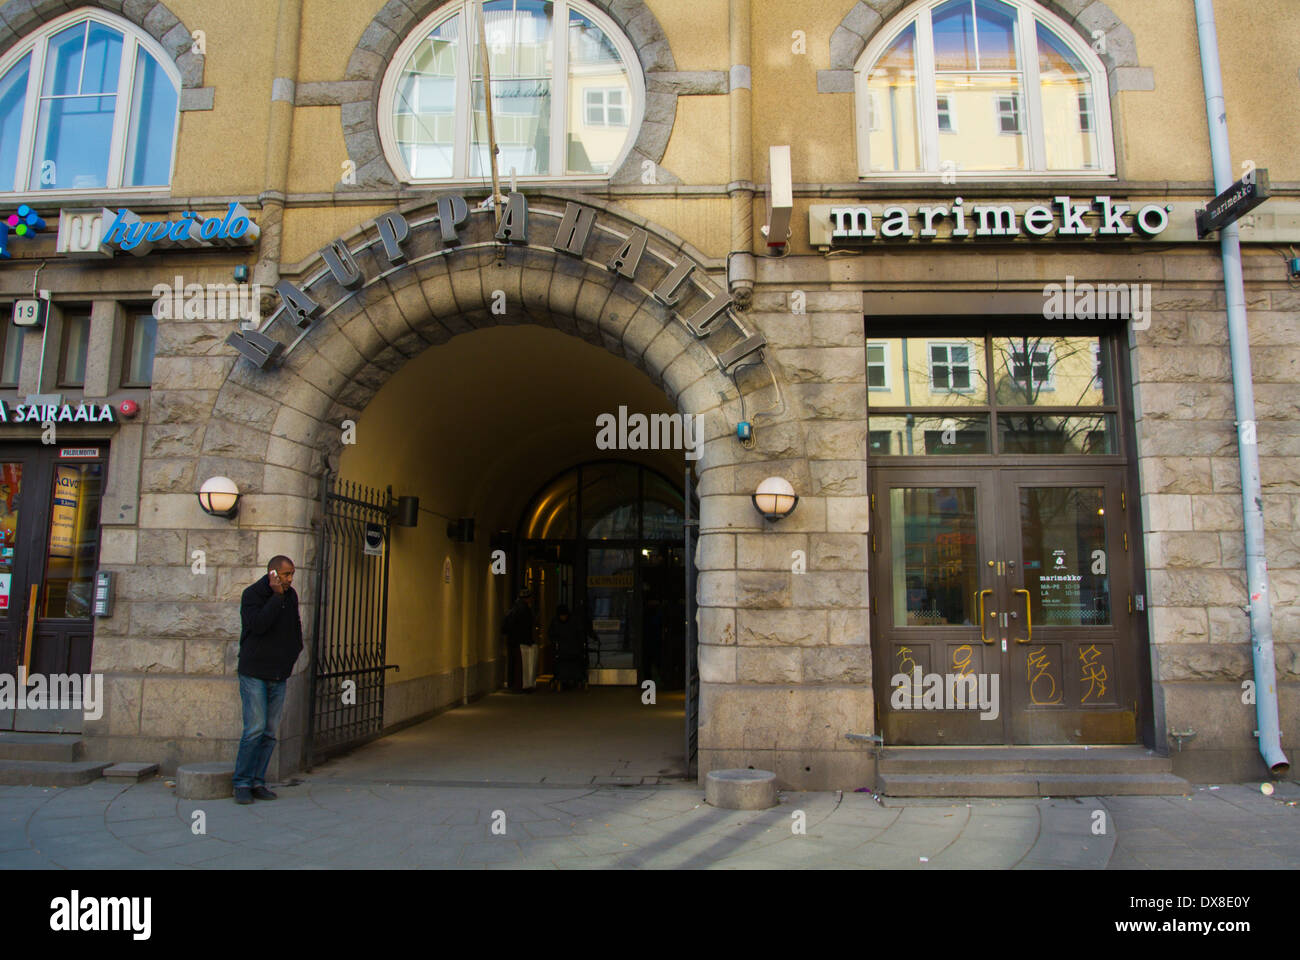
column 1243, row 390
column 740, row 262
column 278, row 141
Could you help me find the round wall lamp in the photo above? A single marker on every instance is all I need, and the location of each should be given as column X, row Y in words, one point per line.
column 775, row 499
column 219, row 497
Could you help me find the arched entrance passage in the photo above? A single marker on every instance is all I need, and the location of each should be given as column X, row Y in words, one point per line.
column 473, row 428
column 353, row 341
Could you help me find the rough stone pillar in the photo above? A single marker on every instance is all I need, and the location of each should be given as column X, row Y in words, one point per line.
column 784, row 657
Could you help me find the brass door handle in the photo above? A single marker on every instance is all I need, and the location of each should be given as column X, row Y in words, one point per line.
column 1029, row 619
column 981, row 594
column 31, row 625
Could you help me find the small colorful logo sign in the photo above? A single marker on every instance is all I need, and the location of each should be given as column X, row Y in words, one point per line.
column 25, row 223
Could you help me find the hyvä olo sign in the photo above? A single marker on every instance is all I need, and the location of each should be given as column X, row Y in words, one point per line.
column 104, row 232
column 453, row 213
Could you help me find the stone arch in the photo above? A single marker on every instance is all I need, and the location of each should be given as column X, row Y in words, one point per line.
column 273, row 430
column 1123, row 72
column 358, row 93
column 18, row 18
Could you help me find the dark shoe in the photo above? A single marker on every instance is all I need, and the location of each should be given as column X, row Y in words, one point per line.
column 261, row 793
column 243, row 795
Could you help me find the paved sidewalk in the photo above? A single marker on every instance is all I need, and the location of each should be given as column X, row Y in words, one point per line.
column 333, row 823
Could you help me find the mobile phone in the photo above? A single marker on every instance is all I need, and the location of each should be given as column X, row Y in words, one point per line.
column 275, row 575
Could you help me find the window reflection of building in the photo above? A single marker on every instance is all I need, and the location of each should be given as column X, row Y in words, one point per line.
column 564, row 101
column 935, row 396
column 1027, row 97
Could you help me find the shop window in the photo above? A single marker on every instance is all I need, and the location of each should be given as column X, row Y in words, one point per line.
column 88, row 103
column 567, row 95
column 1031, row 91
column 13, row 355
column 140, row 342
column 76, row 346
column 1027, row 395
column 74, row 541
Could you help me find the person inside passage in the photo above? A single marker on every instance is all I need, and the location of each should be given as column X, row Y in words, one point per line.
column 269, row 643
column 569, row 638
column 518, row 629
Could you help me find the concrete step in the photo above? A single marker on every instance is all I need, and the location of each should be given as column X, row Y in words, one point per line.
column 204, row 781
column 51, row 773
column 40, row 746
column 1033, row 785
column 131, row 771
column 980, row 761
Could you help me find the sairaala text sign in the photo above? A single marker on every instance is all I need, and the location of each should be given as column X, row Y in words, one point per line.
column 56, row 413
column 572, row 238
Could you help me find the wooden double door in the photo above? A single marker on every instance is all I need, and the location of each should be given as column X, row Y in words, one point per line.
column 49, row 551
column 1003, row 606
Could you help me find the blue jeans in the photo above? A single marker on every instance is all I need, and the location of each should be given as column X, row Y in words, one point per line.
column 263, row 701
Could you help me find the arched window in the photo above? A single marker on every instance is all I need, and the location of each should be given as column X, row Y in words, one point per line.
column 993, row 87
column 606, row 500
column 567, row 94
column 87, row 103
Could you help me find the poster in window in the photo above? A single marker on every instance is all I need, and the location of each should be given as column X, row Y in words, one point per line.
column 11, row 477
column 5, row 580
column 63, row 511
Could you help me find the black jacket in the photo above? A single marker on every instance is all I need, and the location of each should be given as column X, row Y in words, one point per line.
column 518, row 624
column 569, row 638
column 271, row 638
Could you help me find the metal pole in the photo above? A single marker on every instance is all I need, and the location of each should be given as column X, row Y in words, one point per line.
column 1261, row 621
column 317, row 652
column 487, row 102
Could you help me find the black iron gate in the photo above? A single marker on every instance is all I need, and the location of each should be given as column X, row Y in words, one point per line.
column 692, row 644
column 350, row 623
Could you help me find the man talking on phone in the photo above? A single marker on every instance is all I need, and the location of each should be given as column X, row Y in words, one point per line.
column 269, row 643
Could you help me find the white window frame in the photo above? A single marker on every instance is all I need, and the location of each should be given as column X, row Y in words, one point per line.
column 1017, row 113
column 133, row 40
column 884, row 346
column 604, row 105
column 1031, row 107
column 1050, row 383
column 951, row 111
column 971, row 365
column 558, row 161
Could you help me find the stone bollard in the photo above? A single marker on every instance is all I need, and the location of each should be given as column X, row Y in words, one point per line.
column 205, row 781
column 740, row 789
